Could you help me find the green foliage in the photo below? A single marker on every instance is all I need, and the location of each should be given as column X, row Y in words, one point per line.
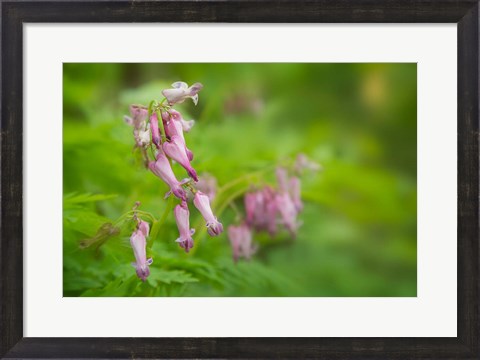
column 359, row 223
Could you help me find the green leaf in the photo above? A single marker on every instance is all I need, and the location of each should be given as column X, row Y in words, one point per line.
column 158, row 276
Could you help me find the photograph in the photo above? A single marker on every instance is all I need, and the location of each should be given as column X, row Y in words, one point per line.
column 239, row 180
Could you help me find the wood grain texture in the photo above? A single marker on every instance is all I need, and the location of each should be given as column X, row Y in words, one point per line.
column 11, row 186
column 243, row 11
column 15, row 13
column 468, row 176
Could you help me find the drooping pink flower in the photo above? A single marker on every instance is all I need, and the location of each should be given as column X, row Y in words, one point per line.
column 295, row 192
column 201, row 202
column 138, row 117
column 257, row 209
column 282, row 179
column 288, row 212
column 240, row 237
column 208, row 185
column 181, row 92
column 138, row 241
column 161, row 167
column 155, row 131
column 250, row 205
column 259, row 218
column 271, row 210
column 141, row 130
column 182, row 217
column 173, row 127
column 175, row 149
column 186, row 125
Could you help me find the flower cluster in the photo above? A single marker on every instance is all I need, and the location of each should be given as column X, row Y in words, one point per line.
column 160, row 129
column 269, row 208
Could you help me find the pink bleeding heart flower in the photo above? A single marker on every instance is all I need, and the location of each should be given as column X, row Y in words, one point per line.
column 271, row 210
column 260, row 219
column 138, row 117
column 138, row 241
column 181, row 92
column 155, row 130
column 282, row 179
column 186, row 125
column 240, row 237
column 141, row 130
column 182, row 217
column 288, row 212
column 173, row 127
column 161, row 167
column 295, row 192
column 175, row 149
column 250, row 206
column 201, row 202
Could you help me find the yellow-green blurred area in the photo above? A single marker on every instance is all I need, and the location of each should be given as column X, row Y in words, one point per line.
column 358, row 121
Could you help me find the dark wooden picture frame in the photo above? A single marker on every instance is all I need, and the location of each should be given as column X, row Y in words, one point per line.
column 465, row 13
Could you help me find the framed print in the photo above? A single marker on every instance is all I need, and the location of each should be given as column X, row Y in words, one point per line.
column 236, row 179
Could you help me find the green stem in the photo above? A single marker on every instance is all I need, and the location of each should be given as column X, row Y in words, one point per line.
column 140, row 212
column 244, row 177
column 161, row 127
column 158, row 224
column 150, row 106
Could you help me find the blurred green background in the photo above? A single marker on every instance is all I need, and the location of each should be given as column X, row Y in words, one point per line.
column 358, row 121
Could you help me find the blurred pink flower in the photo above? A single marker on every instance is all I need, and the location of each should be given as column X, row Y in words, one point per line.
column 288, row 212
column 250, row 206
column 282, row 179
column 138, row 117
column 175, row 149
column 161, row 167
column 240, row 237
column 208, row 185
column 182, row 217
column 303, row 162
column 141, row 130
column 295, row 192
column 181, row 92
column 138, row 241
column 201, row 202
column 271, row 210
